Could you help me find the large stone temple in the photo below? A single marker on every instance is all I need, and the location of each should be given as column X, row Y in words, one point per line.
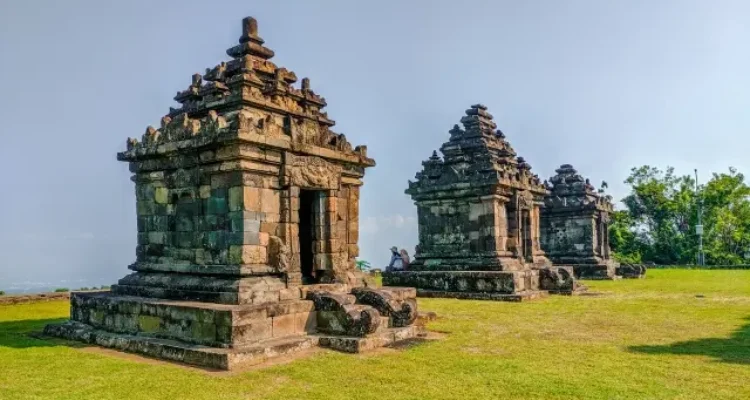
column 248, row 215
column 478, row 212
column 575, row 225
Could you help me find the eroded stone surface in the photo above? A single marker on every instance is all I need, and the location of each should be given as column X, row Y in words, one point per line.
column 575, row 225
column 247, row 203
column 478, row 210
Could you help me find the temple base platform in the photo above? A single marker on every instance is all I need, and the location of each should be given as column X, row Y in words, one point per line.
column 222, row 336
column 520, row 285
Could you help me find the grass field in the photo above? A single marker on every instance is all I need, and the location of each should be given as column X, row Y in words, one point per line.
column 679, row 334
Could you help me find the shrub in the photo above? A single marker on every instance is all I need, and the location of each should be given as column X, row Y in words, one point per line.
column 104, row 287
column 2, row 293
column 62, row 290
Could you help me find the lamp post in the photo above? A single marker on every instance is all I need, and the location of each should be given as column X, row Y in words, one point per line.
column 699, row 225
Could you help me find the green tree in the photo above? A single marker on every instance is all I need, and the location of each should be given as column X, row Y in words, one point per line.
column 622, row 238
column 658, row 223
column 726, row 218
column 661, row 207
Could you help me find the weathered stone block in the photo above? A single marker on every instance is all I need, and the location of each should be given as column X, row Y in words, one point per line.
column 251, row 200
column 149, row 324
column 285, row 325
column 235, row 198
column 247, row 254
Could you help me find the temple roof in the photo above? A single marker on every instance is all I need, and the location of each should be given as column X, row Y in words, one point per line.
column 479, row 154
column 568, row 189
column 249, row 94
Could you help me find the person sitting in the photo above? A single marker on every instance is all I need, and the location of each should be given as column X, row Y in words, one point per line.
column 397, row 263
column 404, row 259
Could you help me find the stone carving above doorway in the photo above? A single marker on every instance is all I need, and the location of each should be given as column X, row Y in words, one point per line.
column 311, row 172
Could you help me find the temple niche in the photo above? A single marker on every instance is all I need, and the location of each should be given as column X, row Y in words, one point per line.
column 248, row 218
column 478, row 212
column 575, row 227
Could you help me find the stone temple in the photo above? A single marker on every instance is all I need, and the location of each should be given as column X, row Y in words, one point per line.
column 575, row 228
column 248, row 215
column 575, row 225
column 478, row 212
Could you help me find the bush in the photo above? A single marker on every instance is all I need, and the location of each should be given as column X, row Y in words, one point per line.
column 104, row 287
column 62, row 290
column 2, row 293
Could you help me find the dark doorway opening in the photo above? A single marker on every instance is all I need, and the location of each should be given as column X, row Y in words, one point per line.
column 307, row 234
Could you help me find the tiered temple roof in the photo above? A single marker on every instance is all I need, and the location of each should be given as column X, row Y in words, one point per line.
column 477, row 155
column 228, row 99
column 569, row 190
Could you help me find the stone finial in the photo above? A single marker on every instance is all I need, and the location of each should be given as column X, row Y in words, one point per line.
column 604, row 185
column 250, row 42
column 305, row 83
column 197, row 80
column 566, row 169
column 522, row 164
column 479, row 106
column 500, row 134
column 434, row 155
column 250, row 30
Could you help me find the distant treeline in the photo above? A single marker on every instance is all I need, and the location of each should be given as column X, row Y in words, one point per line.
column 659, row 221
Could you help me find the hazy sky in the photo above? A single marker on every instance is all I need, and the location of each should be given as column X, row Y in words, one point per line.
column 603, row 85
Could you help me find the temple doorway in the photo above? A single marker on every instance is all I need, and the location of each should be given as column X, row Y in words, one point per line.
column 307, row 223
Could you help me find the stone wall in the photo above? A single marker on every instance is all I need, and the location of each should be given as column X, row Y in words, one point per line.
column 568, row 236
column 210, row 325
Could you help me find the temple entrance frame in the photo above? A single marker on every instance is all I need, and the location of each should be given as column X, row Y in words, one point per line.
column 306, row 214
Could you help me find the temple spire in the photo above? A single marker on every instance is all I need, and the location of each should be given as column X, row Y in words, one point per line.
column 250, row 42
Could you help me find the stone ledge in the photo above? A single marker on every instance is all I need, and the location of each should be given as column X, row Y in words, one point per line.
column 500, row 282
column 227, row 358
column 383, row 338
column 516, row 297
column 202, row 356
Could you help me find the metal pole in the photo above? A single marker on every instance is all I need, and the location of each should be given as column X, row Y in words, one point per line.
column 699, row 226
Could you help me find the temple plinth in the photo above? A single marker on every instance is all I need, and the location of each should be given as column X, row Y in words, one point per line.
column 478, row 212
column 248, row 218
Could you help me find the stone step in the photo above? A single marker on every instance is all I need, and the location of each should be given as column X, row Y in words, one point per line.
column 203, row 356
column 386, row 337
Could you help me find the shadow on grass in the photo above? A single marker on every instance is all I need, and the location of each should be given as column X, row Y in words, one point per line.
column 23, row 334
column 734, row 349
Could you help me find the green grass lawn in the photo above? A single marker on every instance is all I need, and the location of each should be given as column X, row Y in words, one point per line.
column 678, row 334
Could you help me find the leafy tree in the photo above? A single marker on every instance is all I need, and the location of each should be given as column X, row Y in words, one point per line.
column 726, row 218
column 622, row 239
column 658, row 223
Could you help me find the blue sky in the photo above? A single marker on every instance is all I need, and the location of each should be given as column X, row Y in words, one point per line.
column 603, row 85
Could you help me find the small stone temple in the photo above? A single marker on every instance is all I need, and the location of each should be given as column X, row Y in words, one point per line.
column 478, row 212
column 575, row 225
column 575, row 228
column 248, row 214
